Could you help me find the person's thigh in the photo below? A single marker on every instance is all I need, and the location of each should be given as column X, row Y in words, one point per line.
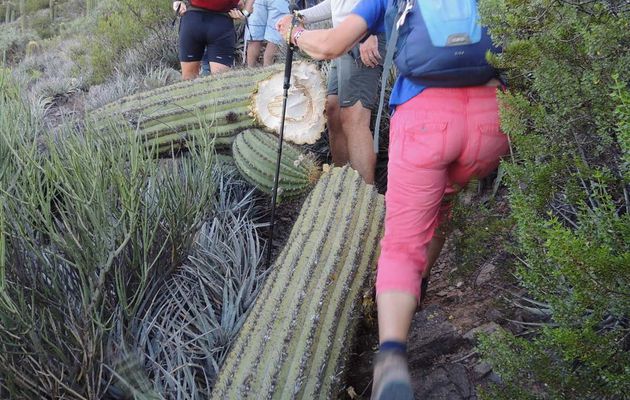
column 358, row 82
column 275, row 10
column 221, row 38
column 486, row 144
column 191, row 37
column 332, row 86
column 414, row 191
column 257, row 21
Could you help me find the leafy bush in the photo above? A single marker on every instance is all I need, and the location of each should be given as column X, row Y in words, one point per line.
column 567, row 116
column 89, row 228
column 13, row 41
column 157, row 50
column 121, row 26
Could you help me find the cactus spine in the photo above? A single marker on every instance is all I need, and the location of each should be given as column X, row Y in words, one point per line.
column 294, row 343
column 218, row 106
column 255, row 155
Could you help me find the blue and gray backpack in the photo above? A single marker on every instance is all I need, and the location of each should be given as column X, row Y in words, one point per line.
column 436, row 43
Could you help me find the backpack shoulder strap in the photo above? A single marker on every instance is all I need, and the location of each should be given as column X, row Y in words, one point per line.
column 403, row 9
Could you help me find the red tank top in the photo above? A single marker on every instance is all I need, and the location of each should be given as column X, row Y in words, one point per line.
column 215, row 5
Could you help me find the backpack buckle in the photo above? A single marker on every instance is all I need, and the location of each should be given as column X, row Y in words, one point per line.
column 403, row 15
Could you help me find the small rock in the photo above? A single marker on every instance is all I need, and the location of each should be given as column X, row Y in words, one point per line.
column 485, row 328
column 432, row 336
column 493, row 315
column 494, row 378
column 485, row 274
column 442, row 293
column 447, row 382
column 481, row 370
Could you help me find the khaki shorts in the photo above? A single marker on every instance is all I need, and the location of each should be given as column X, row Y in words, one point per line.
column 353, row 81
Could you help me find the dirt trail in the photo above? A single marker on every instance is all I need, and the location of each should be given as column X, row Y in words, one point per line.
column 442, row 358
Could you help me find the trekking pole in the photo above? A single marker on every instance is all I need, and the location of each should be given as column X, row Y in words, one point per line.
column 176, row 14
column 287, row 84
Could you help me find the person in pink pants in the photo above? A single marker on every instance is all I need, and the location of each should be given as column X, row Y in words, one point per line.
column 440, row 138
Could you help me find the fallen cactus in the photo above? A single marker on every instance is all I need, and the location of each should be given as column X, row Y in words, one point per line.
column 221, row 106
column 255, row 155
column 295, row 342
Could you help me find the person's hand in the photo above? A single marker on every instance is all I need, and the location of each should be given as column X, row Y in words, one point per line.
column 284, row 24
column 369, row 52
column 235, row 13
column 179, row 5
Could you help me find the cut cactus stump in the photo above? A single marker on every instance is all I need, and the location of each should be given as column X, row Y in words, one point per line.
column 295, row 342
column 221, row 106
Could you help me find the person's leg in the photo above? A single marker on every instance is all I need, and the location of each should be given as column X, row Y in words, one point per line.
column 355, row 122
column 217, row 68
column 442, row 230
column 358, row 96
column 221, row 38
column 336, row 138
column 275, row 10
column 425, row 138
column 253, row 52
column 270, row 53
column 338, row 144
column 256, row 24
column 190, row 70
column 191, row 44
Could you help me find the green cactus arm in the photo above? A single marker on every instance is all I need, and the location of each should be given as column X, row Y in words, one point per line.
column 292, row 343
column 224, row 104
column 302, row 230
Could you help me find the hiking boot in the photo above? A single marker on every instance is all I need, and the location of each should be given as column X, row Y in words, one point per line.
column 391, row 377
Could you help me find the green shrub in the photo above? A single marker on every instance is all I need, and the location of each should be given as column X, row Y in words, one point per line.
column 567, row 116
column 120, row 26
column 13, row 42
column 89, row 228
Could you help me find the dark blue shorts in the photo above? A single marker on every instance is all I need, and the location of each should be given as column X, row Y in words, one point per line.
column 199, row 29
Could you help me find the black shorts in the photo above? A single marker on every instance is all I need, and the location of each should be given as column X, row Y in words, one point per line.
column 199, row 29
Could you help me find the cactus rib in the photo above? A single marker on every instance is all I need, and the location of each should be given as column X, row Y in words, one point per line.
column 255, row 155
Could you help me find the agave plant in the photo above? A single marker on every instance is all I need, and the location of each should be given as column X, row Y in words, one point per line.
column 189, row 325
column 89, row 229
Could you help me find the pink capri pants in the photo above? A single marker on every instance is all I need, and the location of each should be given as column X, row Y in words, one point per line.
column 439, row 140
